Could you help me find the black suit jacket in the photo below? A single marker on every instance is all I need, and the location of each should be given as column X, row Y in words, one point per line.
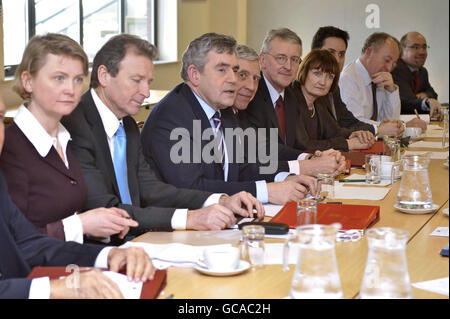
column 181, row 109
column 260, row 113
column 22, row 247
column 153, row 202
column 328, row 135
column 404, row 78
column 345, row 119
column 43, row 188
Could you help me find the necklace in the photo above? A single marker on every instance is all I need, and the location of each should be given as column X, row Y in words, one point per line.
column 313, row 111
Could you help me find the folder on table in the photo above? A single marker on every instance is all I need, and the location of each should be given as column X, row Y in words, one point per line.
column 349, row 216
column 150, row 289
column 357, row 157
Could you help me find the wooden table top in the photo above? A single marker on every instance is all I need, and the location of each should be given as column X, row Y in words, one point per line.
column 271, row 282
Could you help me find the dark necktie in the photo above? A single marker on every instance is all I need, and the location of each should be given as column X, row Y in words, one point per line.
column 279, row 109
column 416, row 81
column 120, row 164
column 375, row 104
column 219, row 135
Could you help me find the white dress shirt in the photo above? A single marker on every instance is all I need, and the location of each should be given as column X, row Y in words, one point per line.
column 111, row 124
column 355, row 84
column 294, row 166
column 43, row 142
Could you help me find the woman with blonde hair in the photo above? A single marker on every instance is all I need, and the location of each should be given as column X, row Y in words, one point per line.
column 44, row 179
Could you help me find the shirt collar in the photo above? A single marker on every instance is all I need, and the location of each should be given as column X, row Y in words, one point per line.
column 209, row 111
column 37, row 135
column 361, row 69
column 274, row 95
column 110, row 121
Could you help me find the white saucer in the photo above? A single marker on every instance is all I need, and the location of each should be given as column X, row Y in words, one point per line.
column 445, row 211
column 417, row 211
column 243, row 266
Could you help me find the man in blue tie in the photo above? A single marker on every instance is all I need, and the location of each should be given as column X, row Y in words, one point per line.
column 117, row 174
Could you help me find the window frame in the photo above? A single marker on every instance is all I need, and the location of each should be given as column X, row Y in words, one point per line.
column 10, row 69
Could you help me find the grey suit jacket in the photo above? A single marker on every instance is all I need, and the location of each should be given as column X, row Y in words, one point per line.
column 153, row 202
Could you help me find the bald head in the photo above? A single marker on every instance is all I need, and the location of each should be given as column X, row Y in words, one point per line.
column 414, row 51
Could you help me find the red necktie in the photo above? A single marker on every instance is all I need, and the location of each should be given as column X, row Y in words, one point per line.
column 375, row 104
column 416, row 82
column 279, row 109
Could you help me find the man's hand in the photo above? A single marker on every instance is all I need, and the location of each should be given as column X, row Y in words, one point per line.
column 243, row 203
column 138, row 264
column 384, row 79
column 435, row 109
column 390, row 127
column 104, row 222
column 329, row 161
column 416, row 122
column 213, row 217
column 364, row 137
column 90, row 284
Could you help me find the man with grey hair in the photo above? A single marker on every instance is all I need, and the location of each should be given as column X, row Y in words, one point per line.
column 368, row 89
column 274, row 105
column 183, row 120
column 416, row 92
column 106, row 142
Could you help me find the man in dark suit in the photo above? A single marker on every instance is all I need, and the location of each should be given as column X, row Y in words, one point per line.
column 118, row 175
column 335, row 41
column 274, row 105
column 22, row 247
column 209, row 73
column 416, row 92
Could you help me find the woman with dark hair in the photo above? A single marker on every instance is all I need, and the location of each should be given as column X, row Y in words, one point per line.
column 44, row 179
column 318, row 74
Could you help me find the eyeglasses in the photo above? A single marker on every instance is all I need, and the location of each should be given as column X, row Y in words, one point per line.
column 282, row 59
column 416, row 47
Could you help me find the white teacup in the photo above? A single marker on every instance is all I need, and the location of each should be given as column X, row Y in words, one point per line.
column 221, row 258
column 413, row 131
column 386, row 167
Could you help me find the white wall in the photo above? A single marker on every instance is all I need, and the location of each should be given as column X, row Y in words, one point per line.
column 429, row 17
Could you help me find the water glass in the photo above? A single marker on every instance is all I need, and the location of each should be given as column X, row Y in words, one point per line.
column 307, row 211
column 373, row 169
column 253, row 245
column 325, row 186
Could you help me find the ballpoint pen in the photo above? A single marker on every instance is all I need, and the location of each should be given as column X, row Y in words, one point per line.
column 351, row 180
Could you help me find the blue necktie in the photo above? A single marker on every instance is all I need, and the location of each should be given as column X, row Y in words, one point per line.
column 120, row 164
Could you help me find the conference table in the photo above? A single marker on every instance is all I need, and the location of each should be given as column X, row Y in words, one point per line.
column 271, row 282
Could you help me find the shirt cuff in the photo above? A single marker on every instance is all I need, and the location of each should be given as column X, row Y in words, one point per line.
column 213, row 199
column 262, row 194
column 294, row 167
column 102, row 258
column 424, row 105
column 40, row 288
column 281, row 176
column 179, row 219
column 73, row 228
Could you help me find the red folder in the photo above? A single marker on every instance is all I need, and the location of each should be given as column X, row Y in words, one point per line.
column 357, row 157
column 150, row 289
column 349, row 216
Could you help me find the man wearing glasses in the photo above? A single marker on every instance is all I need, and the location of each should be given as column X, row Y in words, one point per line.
column 274, row 105
column 416, row 92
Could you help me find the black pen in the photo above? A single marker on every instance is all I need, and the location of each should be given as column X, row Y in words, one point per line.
column 352, row 180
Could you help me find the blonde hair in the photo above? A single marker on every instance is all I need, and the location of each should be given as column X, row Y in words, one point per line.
column 36, row 53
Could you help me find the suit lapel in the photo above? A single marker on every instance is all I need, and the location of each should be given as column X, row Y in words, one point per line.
column 199, row 114
column 95, row 122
